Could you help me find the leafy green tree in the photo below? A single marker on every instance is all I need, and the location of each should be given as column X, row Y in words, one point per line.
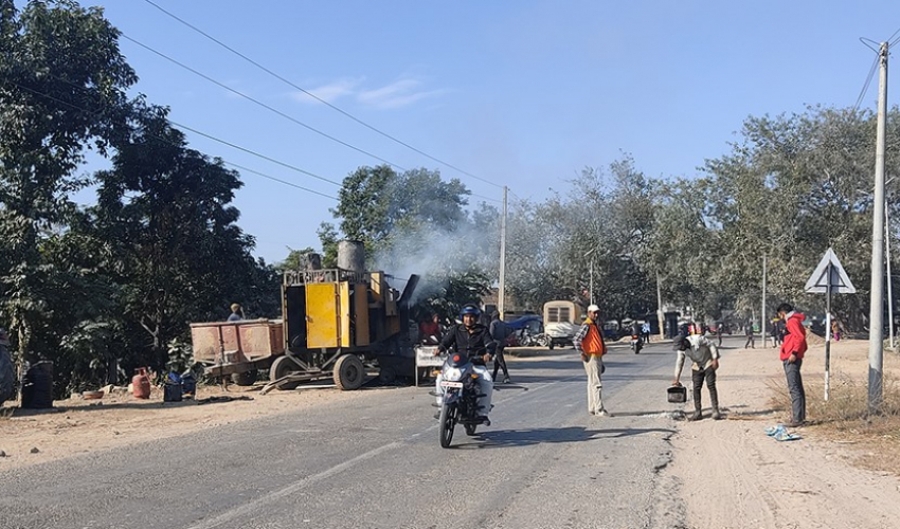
column 58, row 59
column 165, row 213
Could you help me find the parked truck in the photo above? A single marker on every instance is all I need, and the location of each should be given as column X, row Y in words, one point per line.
column 343, row 324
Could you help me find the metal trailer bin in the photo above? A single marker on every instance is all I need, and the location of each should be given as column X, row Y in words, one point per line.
column 237, row 348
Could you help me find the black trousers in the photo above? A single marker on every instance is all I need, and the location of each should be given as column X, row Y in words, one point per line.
column 698, row 377
column 500, row 361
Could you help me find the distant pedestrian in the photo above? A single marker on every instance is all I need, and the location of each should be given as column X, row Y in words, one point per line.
column 704, row 356
column 748, row 331
column 589, row 342
column 430, row 330
column 499, row 331
column 645, row 332
column 776, row 333
column 792, row 350
column 236, row 313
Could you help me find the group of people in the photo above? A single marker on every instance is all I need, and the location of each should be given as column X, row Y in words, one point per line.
column 704, row 356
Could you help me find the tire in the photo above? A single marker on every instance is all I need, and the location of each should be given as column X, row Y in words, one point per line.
column 544, row 341
column 349, row 372
column 470, row 429
column 281, row 367
column 448, row 421
column 247, row 378
column 552, row 345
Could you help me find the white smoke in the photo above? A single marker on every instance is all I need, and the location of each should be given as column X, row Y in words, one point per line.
column 436, row 253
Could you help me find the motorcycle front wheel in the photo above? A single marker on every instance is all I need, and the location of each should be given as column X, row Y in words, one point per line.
column 448, row 421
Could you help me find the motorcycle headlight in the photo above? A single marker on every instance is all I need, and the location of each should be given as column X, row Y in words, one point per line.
column 452, row 373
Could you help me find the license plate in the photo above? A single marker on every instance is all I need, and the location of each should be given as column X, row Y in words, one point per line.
column 447, row 384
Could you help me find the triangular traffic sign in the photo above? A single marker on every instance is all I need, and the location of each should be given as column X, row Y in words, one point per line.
column 840, row 282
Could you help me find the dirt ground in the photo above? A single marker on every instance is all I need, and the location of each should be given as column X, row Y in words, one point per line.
column 732, row 475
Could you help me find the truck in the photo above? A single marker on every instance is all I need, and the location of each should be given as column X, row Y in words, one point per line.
column 338, row 324
column 561, row 321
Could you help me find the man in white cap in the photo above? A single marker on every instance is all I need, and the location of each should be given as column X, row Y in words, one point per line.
column 589, row 342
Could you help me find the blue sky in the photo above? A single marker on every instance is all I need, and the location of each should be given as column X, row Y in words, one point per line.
column 520, row 93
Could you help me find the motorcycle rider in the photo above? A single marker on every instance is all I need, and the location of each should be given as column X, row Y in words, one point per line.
column 474, row 340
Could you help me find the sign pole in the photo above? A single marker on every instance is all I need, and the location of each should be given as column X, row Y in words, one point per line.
column 827, row 330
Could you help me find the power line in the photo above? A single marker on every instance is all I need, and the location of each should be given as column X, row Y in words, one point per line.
column 260, row 103
column 165, row 140
column 254, row 153
column 317, row 98
column 865, row 88
column 208, row 136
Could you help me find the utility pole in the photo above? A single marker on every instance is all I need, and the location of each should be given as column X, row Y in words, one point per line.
column 659, row 308
column 762, row 315
column 591, row 282
column 876, row 298
column 890, row 291
column 501, row 294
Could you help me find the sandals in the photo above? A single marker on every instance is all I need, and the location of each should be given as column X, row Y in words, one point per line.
column 780, row 433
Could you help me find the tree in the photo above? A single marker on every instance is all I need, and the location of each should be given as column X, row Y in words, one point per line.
column 63, row 88
column 173, row 244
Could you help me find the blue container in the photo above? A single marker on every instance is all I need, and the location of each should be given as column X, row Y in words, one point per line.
column 188, row 385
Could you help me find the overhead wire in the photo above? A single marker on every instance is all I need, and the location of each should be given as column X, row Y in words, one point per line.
column 865, row 88
column 317, row 98
column 216, row 139
column 164, row 140
column 260, row 103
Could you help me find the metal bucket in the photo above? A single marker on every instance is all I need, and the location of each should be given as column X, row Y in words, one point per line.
column 677, row 394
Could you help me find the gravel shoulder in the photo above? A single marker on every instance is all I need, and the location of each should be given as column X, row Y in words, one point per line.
column 732, row 475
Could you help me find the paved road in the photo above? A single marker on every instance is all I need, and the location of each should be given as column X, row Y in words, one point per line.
column 375, row 462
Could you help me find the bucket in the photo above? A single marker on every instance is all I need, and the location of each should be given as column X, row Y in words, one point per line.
column 677, row 394
column 172, row 392
column 37, row 386
column 188, row 385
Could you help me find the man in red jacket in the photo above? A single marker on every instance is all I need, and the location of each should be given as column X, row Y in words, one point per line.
column 793, row 347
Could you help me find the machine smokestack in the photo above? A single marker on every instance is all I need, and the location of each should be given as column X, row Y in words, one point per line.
column 351, row 255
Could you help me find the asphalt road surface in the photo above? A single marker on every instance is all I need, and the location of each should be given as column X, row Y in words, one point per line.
column 375, row 462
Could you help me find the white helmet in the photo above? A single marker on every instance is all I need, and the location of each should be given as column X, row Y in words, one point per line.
column 593, row 308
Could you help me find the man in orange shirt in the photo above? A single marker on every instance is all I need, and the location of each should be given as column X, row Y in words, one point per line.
column 589, row 341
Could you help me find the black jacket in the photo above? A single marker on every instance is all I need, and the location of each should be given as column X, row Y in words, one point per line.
column 473, row 344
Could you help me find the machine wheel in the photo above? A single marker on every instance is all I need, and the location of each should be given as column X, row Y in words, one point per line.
column 247, row 378
column 552, row 345
column 470, row 429
column 282, row 366
column 349, row 372
column 544, row 341
column 448, row 421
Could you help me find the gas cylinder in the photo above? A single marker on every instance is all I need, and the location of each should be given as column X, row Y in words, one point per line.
column 141, row 383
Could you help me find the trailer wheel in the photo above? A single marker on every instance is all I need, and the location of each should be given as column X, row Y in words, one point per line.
column 247, row 378
column 281, row 367
column 349, row 372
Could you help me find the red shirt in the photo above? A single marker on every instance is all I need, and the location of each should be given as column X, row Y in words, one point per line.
column 794, row 336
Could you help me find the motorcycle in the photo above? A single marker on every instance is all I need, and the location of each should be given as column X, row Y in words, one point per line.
column 528, row 339
column 459, row 398
column 636, row 343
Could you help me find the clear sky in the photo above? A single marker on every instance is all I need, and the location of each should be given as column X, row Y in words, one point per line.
column 521, row 93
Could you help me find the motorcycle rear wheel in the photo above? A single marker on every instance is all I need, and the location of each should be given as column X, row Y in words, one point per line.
column 448, row 421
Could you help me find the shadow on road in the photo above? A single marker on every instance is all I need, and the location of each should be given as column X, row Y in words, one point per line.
column 569, row 434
